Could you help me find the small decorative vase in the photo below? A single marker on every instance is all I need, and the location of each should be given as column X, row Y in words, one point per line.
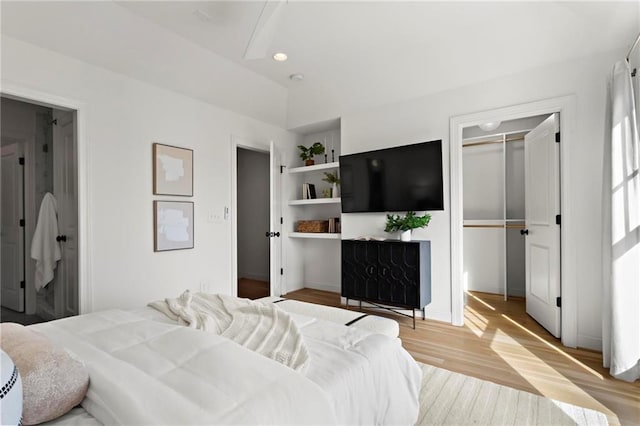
column 405, row 235
column 335, row 192
column 309, row 162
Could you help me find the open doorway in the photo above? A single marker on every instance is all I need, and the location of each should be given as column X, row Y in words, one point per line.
column 511, row 204
column 253, row 200
column 42, row 138
column 564, row 109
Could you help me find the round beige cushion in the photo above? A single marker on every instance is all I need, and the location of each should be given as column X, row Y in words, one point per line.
column 52, row 381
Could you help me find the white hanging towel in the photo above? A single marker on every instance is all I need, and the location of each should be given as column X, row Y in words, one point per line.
column 45, row 250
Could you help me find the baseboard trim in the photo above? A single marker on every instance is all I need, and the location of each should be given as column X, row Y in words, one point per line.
column 324, row 287
column 590, row 342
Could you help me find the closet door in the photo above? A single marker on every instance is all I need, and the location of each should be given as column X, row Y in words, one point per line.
column 542, row 247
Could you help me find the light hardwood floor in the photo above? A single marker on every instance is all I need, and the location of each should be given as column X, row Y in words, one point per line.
column 501, row 343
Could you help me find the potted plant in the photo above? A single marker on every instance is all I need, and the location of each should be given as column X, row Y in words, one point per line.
column 405, row 224
column 334, row 180
column 307, row 153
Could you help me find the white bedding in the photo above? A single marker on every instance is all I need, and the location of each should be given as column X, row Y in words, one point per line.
column 354, row 377
column 150, row 372
column 369, row 377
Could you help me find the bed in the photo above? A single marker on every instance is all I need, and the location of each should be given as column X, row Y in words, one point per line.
column 145, row 368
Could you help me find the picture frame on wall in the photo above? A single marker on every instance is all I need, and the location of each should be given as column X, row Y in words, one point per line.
column 172, row 170
column 172, row 225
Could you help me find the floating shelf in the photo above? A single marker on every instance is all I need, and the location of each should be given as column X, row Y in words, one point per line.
column 315, row 167
column 318, row 235
column 314, row 201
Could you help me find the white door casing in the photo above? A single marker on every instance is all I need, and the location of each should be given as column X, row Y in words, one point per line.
column 12, row 234
column 275, row 255
column 566, row 106
column 275, row 213
column 542, row 246
column 65, row 191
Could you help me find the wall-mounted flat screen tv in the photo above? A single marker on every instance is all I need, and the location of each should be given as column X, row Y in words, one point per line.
column 396, row 179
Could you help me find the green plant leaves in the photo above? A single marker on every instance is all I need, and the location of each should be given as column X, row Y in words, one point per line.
column 405, row 223
column 308, row 153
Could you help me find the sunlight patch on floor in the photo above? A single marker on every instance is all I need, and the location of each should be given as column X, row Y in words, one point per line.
column 540, row 375
column 555, row 348
column 477, row 299
column 475, row 321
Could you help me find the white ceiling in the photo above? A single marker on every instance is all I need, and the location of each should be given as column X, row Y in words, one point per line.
column 353, row 54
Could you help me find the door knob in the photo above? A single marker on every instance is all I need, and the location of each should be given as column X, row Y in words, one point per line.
column 524, row 232
column 61, row 238
column 271, row 234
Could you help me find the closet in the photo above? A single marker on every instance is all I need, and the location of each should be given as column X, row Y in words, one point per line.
column 494, row 208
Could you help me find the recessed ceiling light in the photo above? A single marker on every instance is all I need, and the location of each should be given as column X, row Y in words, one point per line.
column 280, row 57
column 296, row 77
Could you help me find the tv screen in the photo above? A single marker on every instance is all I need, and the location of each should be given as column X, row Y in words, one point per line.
column 393, row 180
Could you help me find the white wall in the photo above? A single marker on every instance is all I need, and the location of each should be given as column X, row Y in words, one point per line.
column 123, row 117
column 427, row 118
column 253, row 214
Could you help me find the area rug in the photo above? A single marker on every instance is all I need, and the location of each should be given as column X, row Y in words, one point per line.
column 449, row 398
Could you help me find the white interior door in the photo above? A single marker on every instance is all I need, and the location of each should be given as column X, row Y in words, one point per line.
column 12, row 235
column 275, row 242
column 65, row 191
column 542, row 204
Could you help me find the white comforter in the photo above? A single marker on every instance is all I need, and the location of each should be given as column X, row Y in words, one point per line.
column 146, row 371
column 369, row 377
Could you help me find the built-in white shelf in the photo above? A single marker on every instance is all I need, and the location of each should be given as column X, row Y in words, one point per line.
column 314, row 201
column 318, row 235
column 315, row 167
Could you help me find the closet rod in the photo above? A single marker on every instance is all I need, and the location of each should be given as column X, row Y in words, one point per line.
column 491, row 142
column 512, row 226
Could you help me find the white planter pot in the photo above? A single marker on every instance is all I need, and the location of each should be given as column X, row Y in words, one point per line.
column 335, row 192
column 405, row 235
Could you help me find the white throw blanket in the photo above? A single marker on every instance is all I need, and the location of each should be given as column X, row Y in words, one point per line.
column 45, row 250
column 259, row 327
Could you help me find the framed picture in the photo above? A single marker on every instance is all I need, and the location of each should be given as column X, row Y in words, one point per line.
column 172, row 170
column 173, row 225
